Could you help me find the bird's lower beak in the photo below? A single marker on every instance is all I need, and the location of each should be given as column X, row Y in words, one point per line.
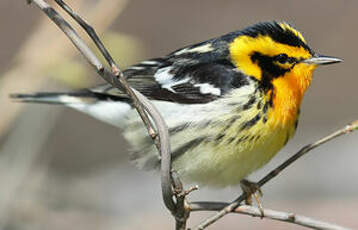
column 322, row 60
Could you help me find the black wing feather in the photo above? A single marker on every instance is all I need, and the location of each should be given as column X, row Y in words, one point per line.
column 221, row 76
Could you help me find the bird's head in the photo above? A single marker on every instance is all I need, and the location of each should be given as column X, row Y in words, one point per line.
column 276, row 53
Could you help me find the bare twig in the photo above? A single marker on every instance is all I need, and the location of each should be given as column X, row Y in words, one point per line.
column 232, row 206
column 163, row 135
column 270, row 214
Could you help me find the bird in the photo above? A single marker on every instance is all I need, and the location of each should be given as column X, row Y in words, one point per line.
column 230, row 102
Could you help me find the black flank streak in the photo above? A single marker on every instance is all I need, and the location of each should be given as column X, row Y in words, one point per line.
column 271, row 99
column 266, row 107
column 251, row 122
column 244, row 138
column 177, row 129
column 231, row 139
column 189, row 145
column 206, row 124
column 219, row 137
column 249, row 104
column 264, row 119
column 229, row 124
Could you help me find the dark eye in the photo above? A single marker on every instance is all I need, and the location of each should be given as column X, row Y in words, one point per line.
column 281, row 58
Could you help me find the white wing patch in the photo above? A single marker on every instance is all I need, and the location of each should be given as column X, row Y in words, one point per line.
column 163, row 76
column 169, row 86
column 165, row 79
column 206, row 88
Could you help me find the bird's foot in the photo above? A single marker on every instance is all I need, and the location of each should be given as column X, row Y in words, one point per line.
column 252, row 189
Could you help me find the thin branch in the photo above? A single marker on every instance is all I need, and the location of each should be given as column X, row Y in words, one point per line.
column 232, row 206
column 270, row 214
column 163, row 134
column 117, row 79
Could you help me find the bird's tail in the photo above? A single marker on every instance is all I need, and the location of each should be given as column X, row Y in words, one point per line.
column 105, row 107
column 56, row 98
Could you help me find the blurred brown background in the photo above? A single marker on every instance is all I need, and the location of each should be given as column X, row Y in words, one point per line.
column 63, row 170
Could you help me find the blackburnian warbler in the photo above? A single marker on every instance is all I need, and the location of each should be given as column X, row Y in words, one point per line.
column 231, row 103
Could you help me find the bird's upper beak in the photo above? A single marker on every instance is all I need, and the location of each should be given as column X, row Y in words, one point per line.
column 318, row 59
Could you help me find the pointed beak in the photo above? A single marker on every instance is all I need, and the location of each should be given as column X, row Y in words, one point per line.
column 318, row 59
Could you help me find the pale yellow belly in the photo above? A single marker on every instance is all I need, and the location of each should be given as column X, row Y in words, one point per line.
column 229, row 160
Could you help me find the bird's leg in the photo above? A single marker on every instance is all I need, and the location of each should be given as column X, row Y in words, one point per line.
column 252, row 190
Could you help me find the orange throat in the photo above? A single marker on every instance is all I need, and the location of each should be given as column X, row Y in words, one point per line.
column 288, row 94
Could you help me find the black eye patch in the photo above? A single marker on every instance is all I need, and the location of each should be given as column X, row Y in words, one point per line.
column 266, row 63
column 281, row 58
